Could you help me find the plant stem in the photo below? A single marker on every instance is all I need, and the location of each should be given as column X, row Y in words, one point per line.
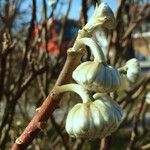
column 123, row 70
column 85, row 95
column 94, row 47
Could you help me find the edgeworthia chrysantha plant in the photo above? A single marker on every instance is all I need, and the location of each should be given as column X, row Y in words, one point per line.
column 96, row 75
column 131, row 70
column 96, row 117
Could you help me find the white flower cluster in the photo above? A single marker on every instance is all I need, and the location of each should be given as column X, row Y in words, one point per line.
column 99, row 115
column 94, row 119
column 103, row 16
column 133, row 70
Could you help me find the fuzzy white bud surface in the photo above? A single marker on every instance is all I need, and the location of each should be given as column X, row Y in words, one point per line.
column 103, row 16
column 94, row 119
column 133, row 70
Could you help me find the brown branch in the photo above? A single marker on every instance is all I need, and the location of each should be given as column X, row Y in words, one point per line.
column 143, row 119
column 10, row 108
column 45, row 25
column 119, row 9
column 147, row 146
column 134, row 24
column 54, row 123
column 117, row 34
column 133, row 93
column 142, row 141
column 84, row 18
column 84, row 10
column 7, row 49
column 78, row 145
column 7, row 119
column 134, row 132
column 49, row 105
column 58, row 130
column 53, row 8
column 41, row 87
column 106, row 143
column 27, row 44
column 61, row 36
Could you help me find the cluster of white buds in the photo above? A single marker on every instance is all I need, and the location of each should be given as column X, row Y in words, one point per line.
column 96, row 75
column 131, row 70
column 94, row 119
column 103, row 16
column 99, row 115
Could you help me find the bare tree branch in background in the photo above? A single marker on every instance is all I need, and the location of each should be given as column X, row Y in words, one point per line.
column 63, row 24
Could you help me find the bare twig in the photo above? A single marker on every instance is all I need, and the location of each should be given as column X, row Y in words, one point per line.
column 139, row 19
column 133, row 93
column 27, row 43
column 83, row 15
column 134, row 132
column 45, row 25
column 147, row 146
column 78, row 145
column 61, row 36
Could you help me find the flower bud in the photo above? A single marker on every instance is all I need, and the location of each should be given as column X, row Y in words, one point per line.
column 103, row 16
column 97, row 76
column 133, row 69
column 94, row 119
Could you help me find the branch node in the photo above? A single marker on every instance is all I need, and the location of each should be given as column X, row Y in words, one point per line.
column 18, row 141
column 38, row 109
column 54, row 94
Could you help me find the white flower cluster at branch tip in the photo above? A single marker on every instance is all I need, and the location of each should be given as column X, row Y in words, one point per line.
column 98, row 115
column 133, row 69
column 95, row 119
column 97, row 77
column 103, row 16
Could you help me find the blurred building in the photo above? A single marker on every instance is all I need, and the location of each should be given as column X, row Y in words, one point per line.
column 141, row 38
column 141, row 45
column 54, row 28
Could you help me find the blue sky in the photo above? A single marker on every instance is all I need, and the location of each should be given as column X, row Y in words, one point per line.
column 75, row 8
